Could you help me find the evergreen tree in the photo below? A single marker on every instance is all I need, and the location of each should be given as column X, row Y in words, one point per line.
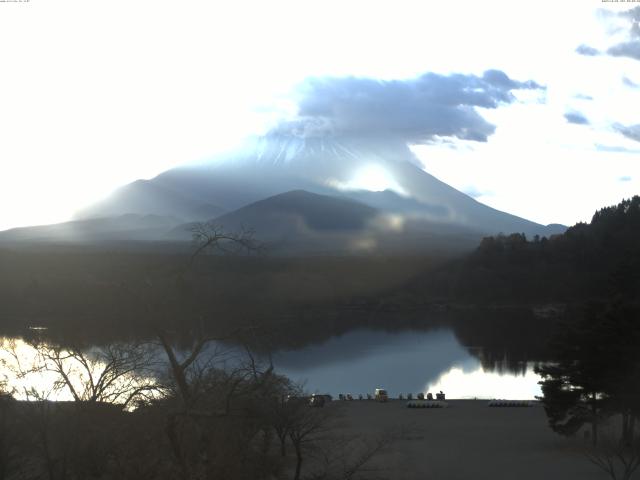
column 597, row 371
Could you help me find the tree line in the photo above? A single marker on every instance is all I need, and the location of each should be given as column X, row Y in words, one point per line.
column 594, row 260
column 591, row 380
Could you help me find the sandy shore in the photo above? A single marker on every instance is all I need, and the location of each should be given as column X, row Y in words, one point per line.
column 469, row 440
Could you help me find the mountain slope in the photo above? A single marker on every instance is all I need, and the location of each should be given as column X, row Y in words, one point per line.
column 337, row 166
column 144, row 197
column 129, row 227
column 309, row 210
column 298, row 222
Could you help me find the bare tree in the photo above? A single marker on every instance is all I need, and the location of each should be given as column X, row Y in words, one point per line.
column 350, row 458
column 8, row 431
column 308, row 426
column 215, row 401
column 211, row 237
column 36, row 415
column 619, row 459
column 180, row 367
column 207, row 237
column 119, row 373
column 282, row 414
column 329, row 455
column 193, row 374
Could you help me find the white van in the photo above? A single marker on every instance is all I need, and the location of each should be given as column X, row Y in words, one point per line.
column 381, row 395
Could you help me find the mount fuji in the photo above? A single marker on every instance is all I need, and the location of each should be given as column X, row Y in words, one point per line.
column 293, row 181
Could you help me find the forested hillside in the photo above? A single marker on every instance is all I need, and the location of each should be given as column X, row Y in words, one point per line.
column 588, row 261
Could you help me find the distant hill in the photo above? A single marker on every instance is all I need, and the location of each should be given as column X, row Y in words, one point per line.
column 295, row 212
column 298, row 222
column 303, row 209
column 328, row 165
column 129, row 227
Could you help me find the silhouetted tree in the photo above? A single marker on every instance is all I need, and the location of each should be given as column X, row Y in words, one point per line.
column 307, row 427
column 618, row 459
column 117, row 373
column 210, row 237
column 596, row 373
column 9, row 433
column 599, row 260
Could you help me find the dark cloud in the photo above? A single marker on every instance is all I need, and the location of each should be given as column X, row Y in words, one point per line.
column 633, row 14
column 577, row 118
column 629, row 83
column 587, row 50
column 625, row 178
column 629, row 131
column 500, row 79
column 415, row 110
column 629, row 48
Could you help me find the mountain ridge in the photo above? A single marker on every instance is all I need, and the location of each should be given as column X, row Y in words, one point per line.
column 358, row 186
column 274, row 164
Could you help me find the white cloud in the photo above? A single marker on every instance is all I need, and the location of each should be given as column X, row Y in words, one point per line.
column 97, row 94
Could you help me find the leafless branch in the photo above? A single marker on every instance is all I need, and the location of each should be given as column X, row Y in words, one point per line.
column 618, row 459
column 211, row 237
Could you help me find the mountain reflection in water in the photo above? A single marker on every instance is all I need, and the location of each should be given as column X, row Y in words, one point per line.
column 402, row 362
column 405, row 360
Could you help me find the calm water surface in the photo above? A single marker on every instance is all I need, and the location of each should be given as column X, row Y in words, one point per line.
column 402, row 362
column 358, row 362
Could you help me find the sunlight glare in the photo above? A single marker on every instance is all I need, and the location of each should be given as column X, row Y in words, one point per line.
column 374, row 178
column 457, row 383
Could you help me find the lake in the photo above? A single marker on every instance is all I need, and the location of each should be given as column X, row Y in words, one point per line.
column 356, row 362
column 409, row 361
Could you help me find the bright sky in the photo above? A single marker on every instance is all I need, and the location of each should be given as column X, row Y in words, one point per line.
column 95, row 94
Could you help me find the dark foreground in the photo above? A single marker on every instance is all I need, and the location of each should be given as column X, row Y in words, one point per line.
column 468, row 440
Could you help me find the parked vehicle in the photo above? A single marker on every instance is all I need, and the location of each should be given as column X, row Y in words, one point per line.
column 316, row 401
column 381, row 395
column 296, row 399
column 319, row 400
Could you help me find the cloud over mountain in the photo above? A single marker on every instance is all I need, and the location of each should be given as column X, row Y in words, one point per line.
column 415, row 110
